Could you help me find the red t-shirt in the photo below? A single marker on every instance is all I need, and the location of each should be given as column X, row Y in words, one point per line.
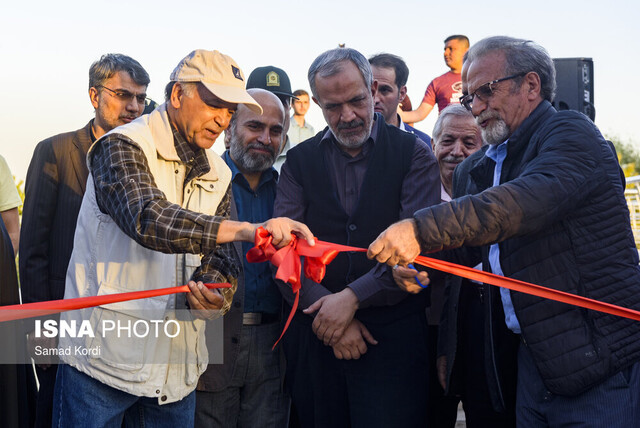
column 444, row 90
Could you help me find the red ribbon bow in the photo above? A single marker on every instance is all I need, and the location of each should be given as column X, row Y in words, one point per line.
column 287, row 260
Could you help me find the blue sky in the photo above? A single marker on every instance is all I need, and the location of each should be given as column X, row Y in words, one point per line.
column 46, row 48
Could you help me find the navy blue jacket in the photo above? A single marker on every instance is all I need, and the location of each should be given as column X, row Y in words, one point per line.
column 561, row 221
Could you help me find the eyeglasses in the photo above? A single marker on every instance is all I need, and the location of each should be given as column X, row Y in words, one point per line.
column 126, row 96
column 484, row 92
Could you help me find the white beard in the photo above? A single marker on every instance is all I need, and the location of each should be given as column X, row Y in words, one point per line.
column 495, row 133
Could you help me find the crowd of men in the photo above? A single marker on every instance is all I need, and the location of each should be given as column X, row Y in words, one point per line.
column 135, row 200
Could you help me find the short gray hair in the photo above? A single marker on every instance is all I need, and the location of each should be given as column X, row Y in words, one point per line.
column 109, row 64
column 188, row 88
column 330, row 63
column 451, row 110
column 522, row 56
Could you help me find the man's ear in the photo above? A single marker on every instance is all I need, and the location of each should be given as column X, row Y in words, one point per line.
column 177, row 92
column 227, row 138
column 533, row 85
column 94, row 96
column 374, row 88
column 402, row 94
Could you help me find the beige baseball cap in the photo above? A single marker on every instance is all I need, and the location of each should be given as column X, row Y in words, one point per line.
column 219, row 73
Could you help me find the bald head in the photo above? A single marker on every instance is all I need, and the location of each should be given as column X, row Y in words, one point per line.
column 254, row 140
column 264, row 98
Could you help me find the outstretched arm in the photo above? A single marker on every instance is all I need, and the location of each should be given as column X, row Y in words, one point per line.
column 126, row 190
column 416, row 115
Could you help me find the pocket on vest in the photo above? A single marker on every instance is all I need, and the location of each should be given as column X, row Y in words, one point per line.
column 126, row 335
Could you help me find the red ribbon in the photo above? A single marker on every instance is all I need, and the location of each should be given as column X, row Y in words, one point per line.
column 28, row 310
column 287, row 259
column 528, row 288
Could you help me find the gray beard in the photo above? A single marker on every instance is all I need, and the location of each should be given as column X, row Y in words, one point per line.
column 353, row 142
column 248, row 162
column 495, row 134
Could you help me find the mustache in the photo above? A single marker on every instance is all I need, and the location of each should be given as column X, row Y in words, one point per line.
column 259, row 146
column 450, row 158
column 486, row 115
column 350, row 125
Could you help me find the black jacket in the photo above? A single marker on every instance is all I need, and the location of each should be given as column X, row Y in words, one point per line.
column 55, row 184
column 496, row 346
column 562, row 222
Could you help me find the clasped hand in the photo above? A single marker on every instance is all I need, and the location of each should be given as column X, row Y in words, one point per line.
column 335, row 325
column 353, row 343
column 334, row 314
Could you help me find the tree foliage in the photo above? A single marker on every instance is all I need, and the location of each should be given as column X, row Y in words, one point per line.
column 628, row 156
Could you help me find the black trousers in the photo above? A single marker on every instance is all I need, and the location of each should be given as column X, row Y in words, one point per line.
column 442, row 410
column 44, row 406
column 471, row 364
column 386, row 387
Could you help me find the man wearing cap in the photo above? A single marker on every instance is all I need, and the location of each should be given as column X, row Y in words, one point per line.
column 246, row 390
column 154, row 215
column 274, row 79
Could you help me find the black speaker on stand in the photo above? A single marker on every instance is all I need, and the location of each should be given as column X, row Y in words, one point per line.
column 574, row 80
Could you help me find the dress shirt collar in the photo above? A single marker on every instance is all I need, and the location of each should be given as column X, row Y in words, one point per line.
column 295, row 124
column 444, row 195
column 497, row 152
column 402, row 124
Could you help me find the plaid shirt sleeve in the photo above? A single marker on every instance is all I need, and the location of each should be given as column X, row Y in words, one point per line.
column 126, row 191
column 220, row 265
